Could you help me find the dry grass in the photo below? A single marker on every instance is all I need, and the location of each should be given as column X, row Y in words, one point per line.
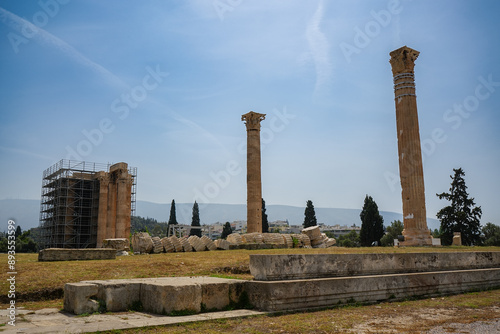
column 397, row 317
column 33, row 276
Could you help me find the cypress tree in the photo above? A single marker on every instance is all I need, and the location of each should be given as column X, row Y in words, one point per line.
column 372, row 223
column 226, row 230
column 265, row 223
column 195, row 222
column 309, row 215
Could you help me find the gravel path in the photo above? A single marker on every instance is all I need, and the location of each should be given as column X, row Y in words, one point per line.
column 480, row 327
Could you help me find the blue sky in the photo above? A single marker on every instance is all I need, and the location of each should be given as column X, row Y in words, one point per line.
column 162, row 86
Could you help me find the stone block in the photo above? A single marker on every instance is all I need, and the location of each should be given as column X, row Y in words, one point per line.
column 326, row 292
column 197, row 244
column 305, row 266
column 287, row 238
column 313, row 232
column 142, row 243
column 163, row 296
column 157, row 245
column 209, row 244
column 457, row 239
column 186, row 246
column 175, row 241
column 235, row 239
column 167, row 245
column 77, row 298
column 76, row 254
column 120, row 244
column 222, row 244
column 118, row 295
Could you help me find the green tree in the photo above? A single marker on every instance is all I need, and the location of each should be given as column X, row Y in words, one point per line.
column 491, row 235
column 265, row 223
column 461, row 215
column 195, row 222
column 372, row 223
column 351, row 239
column 226, row 230
column 392, row 233
column 172, row 220
column 310, row 215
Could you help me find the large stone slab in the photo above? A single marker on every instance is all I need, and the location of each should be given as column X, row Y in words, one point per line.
column 73, row 254
column 165, row 295
column 306, row 266
column 77, row 297
column 327, row 292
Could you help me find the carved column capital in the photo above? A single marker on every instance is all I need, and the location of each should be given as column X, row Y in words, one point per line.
column 252, row 120
column 403, row 60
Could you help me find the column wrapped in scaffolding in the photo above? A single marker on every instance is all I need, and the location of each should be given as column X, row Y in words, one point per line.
column 74, row 213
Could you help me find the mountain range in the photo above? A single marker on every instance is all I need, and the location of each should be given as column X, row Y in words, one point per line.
column 26, row 213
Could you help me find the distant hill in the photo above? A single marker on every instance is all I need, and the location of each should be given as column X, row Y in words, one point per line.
column 26, row 213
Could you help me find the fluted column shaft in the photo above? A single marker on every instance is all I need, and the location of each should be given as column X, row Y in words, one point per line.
column 410, row 155
column 254, row 183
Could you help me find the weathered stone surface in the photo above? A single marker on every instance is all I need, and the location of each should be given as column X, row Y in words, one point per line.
column 287, row 238
column 273, row 238
column 457, row 239
column 209, row 244
column 234, row 238
column 222, row 244
column 411, row 172
column 306, row 266
column 303, row 239
column 166, row 296
column 197, row 244
column 167, row 245
column 157, row 245
column 157, row 295
column 254, row 185
column 175, row 241
column 77, row 298
column 118, row 295
column 254, row 237
column 72, row 254
column 142, row 243
column 313, row 233
column 327, row 292
column 186, row 246
column 120, row 244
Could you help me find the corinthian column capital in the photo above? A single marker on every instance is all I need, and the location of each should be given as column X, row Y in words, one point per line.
column 252, row 120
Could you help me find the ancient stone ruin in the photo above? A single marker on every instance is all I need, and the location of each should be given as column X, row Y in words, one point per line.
column 411, row 171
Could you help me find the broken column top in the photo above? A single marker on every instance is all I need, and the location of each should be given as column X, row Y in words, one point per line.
column 252, row 120
column 403, row 60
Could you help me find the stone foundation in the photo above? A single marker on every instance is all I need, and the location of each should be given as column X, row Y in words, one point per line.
column 72, row 254
column 329, row 292
column 305, row 266
column 165, row 295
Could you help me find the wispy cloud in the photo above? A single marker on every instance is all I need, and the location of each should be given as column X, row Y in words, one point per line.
column 45, row 38
column 319, row 46
column 24, row 152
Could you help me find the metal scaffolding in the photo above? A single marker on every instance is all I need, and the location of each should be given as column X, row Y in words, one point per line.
column 70, row 203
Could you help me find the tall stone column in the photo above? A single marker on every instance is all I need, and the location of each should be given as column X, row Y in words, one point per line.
column 254, row 185
column 124, row 186
column 102, row 215
column 111, row 219
column 411, row 172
